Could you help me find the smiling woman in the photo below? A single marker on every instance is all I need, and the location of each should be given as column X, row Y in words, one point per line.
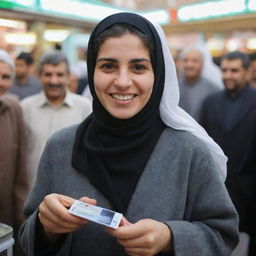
column 138, row 153
column 123, row 83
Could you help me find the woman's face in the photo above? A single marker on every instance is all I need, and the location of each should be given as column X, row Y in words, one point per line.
column 123, row 77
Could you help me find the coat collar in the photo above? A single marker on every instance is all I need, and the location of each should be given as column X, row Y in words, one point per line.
column 43, row 101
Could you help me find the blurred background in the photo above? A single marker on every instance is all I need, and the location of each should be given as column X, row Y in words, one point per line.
column 38, row 25
column 30, row 28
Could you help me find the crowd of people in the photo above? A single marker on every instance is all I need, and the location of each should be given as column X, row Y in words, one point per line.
column 171, row 148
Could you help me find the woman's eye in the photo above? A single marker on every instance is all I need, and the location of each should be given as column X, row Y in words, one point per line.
column 107, row 66
column 139, row 67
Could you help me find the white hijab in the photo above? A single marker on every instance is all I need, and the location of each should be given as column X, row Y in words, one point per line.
column 6, row 58
column 173, row 116
column 210, row 70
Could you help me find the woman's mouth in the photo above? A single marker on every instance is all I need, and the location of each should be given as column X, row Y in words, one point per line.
column 123, row 97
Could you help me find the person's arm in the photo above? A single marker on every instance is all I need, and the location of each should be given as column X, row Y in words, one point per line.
column 47, row 217
column 21, row 185
column 210, row 225
column 42, row 188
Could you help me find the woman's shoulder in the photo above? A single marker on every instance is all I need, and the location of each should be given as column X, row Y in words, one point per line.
column 64, row 136
column 187, row 152
column 181, row 137
column 183, row 141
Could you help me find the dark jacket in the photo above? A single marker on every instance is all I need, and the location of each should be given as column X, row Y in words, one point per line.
column 235, row 141
column 248, row 175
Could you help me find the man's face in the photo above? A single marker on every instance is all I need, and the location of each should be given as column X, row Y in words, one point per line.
column 233, row 74
column 21, row 69
column 54, row 80
column 192, row 64
column 5, row 78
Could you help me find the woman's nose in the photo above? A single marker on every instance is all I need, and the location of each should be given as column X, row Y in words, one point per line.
column 123, row 79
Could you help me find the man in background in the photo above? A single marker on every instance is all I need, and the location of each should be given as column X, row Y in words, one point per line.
column 229, row 117
column 194, row 88
column 13, row 174
column 24, row 84
column 6, row 74
column 52, row 109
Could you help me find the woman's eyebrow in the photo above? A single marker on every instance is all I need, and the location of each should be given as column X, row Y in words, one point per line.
column 107, row 59
column 131, row 61
column 139, row 60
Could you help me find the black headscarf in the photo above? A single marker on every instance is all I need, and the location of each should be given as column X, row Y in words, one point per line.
column 114, row 152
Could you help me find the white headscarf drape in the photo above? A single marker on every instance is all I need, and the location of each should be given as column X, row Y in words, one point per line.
column 175, row 117
column 210, row 70
column 5, row 57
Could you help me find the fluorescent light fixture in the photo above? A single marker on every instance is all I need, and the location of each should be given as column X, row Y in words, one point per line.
column 20, row 38
column 252, row 5
column 157, row 16
column 28, row 3
column 215, row 44
column 233, row 45
column 96, row 12
column 211, row 9
column 55, row 35
column 12, row 24
column 88, row 10
column 75, row 8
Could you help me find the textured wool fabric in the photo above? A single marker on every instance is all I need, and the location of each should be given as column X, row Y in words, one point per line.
column 180, row 186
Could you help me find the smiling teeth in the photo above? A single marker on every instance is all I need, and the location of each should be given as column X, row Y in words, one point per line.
column 122, row 97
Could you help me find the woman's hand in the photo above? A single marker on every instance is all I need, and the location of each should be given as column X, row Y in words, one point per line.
column 146, row 237
column 55, row 218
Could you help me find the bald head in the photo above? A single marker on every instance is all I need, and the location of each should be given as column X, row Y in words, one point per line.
column 6, row 58
column 192, row 64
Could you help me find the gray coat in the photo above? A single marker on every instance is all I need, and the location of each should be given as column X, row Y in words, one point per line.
column 179, row 186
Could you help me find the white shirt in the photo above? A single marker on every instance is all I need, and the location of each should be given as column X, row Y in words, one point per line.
column 43, row 119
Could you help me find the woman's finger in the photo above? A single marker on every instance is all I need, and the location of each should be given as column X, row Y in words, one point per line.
column 54, row 214
column 130, row 231
column 88, row 200
column 50, row 221
column 58, row 215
